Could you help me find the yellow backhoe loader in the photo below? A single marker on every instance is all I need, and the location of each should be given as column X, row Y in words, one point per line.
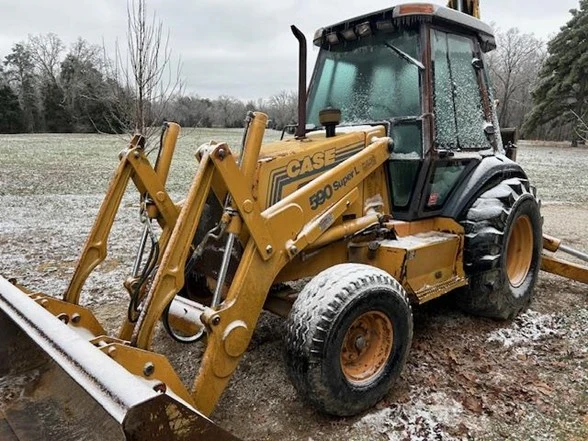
column 395, row 189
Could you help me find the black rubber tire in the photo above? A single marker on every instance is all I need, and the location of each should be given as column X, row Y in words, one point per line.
column 488, row 226
column 317, row 325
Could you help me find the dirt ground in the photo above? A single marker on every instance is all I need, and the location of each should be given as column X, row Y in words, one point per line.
column 466, row 377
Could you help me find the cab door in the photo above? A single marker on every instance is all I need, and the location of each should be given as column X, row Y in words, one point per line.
column 463, row 123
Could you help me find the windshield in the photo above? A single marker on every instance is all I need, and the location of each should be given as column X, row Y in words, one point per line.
column 371, row 79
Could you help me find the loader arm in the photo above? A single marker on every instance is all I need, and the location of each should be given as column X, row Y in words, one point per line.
column 561, row 267
column 133, row 165
column 276, row 235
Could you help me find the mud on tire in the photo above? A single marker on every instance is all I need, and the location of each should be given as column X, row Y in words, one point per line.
column 347, row 338
column 502, row 251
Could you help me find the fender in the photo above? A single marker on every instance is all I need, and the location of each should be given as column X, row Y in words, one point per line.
column 488, row 173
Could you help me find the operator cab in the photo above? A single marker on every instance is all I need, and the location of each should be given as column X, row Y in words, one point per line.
column 417, row 69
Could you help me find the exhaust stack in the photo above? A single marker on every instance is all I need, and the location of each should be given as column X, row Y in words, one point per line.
column 301, row 129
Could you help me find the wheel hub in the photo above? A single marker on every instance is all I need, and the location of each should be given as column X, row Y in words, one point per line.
column 360, row 343
column 366, row 346
column 519, row 251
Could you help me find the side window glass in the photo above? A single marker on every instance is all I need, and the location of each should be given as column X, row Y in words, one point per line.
column 403, row 175
column 459, row 113
column 446, row 136
column 405, row 163
column 407, row 140
column 443, row 180
column 469, row 112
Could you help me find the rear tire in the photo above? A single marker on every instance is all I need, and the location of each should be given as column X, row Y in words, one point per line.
column 348, row 336
column 502, row 251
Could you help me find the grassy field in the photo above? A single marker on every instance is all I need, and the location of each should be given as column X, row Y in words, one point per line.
column 83, row 164
column 466, row 378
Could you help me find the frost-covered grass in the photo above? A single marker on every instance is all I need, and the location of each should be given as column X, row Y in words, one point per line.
column 559, row 173
column 83, row 164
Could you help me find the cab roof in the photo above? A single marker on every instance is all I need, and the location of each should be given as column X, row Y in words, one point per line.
column 400, row 16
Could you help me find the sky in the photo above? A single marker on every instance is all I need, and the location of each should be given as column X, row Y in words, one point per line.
column 240, row 48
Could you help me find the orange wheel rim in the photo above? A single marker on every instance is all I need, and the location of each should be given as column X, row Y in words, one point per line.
column 366, row 346
column 519, row 251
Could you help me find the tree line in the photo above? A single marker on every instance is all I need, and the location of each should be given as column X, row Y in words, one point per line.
column 542, row 88
column 46, row 87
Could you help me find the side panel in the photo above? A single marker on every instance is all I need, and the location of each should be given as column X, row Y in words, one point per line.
column 425, row 257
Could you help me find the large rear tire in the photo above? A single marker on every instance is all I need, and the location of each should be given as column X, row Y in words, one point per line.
column 502, row 251
column 348, row 336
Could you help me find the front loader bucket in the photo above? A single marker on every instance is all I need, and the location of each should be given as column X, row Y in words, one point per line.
column 56, row 385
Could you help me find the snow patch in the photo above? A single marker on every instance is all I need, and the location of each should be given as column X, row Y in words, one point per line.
column 528, row 327
column 423, row 420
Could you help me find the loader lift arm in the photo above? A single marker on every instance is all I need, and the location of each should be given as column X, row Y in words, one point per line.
column 564, row 268
column 275, row 236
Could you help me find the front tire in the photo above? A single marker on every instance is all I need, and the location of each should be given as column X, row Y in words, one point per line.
column 502, row 251
column 348, row 336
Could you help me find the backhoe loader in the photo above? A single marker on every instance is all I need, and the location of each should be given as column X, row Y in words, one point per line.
column 395, row 189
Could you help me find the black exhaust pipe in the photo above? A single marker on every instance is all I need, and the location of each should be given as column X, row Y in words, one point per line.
column 301, row 128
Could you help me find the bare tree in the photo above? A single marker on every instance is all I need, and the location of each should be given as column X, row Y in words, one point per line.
column 144, row 80
column 228, row 111
column 514, row 67
column 46, row 51
column 282, row 109
column 581, row 129
column 20, row 74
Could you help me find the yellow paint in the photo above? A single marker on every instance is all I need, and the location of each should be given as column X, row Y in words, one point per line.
column 564, row 268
